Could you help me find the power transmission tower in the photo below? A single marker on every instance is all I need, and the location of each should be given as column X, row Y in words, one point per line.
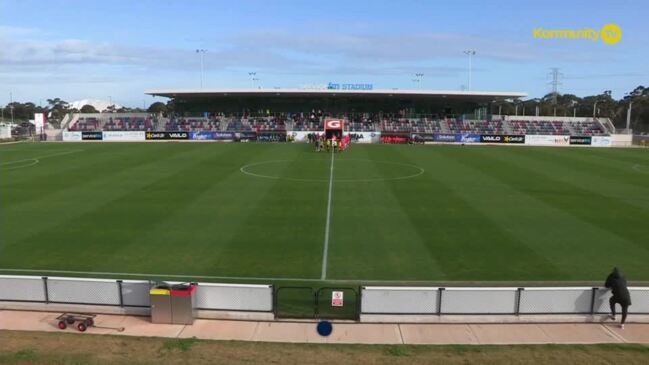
column 555, row 75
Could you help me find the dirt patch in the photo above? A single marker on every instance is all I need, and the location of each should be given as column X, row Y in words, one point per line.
column 71, row 348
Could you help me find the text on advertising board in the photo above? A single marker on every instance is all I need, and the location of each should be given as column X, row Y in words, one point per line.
column 166, row 135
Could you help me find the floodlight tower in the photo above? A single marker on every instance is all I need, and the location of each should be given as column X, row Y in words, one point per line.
column 420, row 77
column 253, row 78
column 201, row 52
column 470, row 53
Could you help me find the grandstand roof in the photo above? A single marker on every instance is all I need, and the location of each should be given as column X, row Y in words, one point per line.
column 474, row 96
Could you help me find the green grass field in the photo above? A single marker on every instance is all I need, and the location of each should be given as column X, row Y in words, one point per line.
column 398, row 213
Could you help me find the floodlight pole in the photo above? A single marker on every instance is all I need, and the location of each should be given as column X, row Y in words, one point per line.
column 11, row 106
column 201, row 53
column 595, row 108
column 252, row 78
column 628, row 117
column 420, row 77
column 470, row 53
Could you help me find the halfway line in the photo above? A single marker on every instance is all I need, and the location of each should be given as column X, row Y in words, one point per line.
column 325, row 250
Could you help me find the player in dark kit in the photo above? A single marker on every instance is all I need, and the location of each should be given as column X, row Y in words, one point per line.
column 617, row 283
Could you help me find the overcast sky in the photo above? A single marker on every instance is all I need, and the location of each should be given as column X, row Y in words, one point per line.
column 94, row 49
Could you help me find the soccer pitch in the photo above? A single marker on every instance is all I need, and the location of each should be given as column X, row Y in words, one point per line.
column 254, row 211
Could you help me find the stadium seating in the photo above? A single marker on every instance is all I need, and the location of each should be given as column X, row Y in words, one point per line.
column 268, row 124
column 193, row 125
column 587, row 129
column 360, row 123
column 86, row 124
column 239, row 125
column 129, row 124
column 307, row 124
column 476, row 126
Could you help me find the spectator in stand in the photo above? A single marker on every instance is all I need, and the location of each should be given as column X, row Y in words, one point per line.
column 617, row 283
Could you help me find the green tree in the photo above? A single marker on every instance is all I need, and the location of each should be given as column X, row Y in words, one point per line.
column 157, row 107
column 88, row 109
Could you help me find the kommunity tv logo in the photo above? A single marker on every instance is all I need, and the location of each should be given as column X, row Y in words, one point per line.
column 610, row 33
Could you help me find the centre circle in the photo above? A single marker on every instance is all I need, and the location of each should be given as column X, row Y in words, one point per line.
column 345, row 170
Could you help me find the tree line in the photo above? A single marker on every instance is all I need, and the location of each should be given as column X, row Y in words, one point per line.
column 602, row 105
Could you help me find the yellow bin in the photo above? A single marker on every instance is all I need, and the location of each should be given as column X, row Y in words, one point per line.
column 157, row 291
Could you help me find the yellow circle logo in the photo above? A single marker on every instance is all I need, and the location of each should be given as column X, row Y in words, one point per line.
column 611, row 33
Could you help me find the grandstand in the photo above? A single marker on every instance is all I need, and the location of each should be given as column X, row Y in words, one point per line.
column 389, row 112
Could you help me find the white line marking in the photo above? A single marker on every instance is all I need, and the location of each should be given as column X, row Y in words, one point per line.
column 325, row 250
column 34, row 160
column 32, row 163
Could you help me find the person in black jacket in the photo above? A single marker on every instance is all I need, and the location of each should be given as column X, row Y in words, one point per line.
column 617, row 283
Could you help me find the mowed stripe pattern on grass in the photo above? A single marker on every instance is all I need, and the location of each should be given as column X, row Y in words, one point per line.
column 476, row 213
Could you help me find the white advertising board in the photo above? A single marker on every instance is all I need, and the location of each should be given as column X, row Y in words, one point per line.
column 126, row 136
column 546, row 140
column 39, row 122
column 601, row 141
column 301, row 136
column 71, row 136
column 5, row 132
column 364, row 137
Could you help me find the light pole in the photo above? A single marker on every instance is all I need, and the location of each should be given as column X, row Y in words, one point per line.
column 595, row 108
column 470, row 53
column 252, row 78
column 628, row 117
column 11, row 106
column 420, row 77
column 201, row 52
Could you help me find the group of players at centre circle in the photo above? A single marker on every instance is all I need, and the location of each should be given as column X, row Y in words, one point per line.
column 332, row 143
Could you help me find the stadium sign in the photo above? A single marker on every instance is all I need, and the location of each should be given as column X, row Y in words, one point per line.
column 443, row 137
column 246, row 136
column 491, row 138
column 91, row 136
column 467, row 138
column 580, row 140
column 494, row 138
column 167, row 135
column 123, row 136
column 546, row 140
column 211, row 136
column 601, row 141
column 333, row 124
column 71, row 136
column 335, row 86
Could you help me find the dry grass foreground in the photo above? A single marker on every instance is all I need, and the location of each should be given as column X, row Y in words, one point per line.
column 70, row 348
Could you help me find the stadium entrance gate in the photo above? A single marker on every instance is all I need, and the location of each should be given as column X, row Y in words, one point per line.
column 317, row 303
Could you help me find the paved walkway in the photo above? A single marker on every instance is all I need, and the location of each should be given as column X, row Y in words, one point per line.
column 366, row 333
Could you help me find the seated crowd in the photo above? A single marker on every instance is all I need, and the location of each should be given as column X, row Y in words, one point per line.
column 193, row 124
column 354, row 122
column 129, row 124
